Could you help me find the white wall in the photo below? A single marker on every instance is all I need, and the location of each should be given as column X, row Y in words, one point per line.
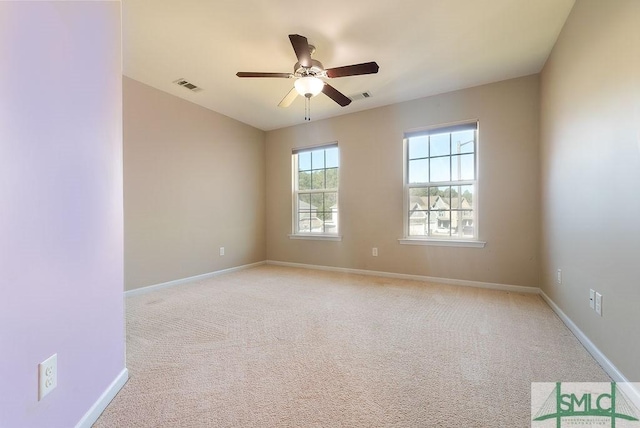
column 590, row 174
column 61, row 228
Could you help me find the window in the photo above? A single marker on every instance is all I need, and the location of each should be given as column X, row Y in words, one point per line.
column 441, row 183
column 315, row 191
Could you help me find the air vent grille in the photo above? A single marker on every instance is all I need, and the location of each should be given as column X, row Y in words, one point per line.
column 361, row 95
column 186, row 84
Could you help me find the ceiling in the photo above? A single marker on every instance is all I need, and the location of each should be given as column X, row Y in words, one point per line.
column 423, row 47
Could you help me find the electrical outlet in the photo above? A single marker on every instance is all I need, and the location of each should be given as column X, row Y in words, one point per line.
column 599, row 303
column 47, row 376
column 592, row 299
column 559, row 276
column 374, row 252
column 222, row 251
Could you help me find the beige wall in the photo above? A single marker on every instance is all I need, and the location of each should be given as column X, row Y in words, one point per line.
column 590, row 175
column 371, row 187
column 194, row 182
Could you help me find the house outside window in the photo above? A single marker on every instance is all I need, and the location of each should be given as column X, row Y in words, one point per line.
column 441, row 183
column 315, row 191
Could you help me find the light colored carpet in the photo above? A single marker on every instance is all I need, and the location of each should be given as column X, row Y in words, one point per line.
column 282, row 347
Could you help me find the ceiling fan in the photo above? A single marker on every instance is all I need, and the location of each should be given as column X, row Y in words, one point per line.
column 309, row 73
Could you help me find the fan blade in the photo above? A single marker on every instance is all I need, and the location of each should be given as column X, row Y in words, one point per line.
column 301, row 47
column 336, row 95
column 353, row 70
column 258, row 74
column 288, row 99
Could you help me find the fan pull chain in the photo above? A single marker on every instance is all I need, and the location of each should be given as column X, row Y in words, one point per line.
column 307, row 109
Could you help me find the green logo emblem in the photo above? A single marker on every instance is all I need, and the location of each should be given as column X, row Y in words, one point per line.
column 583, row 404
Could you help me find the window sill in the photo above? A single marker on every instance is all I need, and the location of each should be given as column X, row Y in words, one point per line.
column 443, row 242
column 316, row 237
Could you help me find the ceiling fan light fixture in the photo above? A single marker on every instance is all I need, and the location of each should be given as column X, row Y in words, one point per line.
column 309, row 86
column 307, row 72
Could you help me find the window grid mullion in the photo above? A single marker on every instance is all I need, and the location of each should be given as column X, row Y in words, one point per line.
column 318, row 191
column 321, row 211
column 445, row 216
column 441, row 184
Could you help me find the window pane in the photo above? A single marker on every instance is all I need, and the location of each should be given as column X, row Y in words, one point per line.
column 462, row 167
column 443, row 229
column 468, row 171
column 418, row 214
column 418, row 147
column 418, row 223
column 466, row 216
column 304, row 200
column 440, row 170
column 324, row 216
column 466, row 223
column 330, row 226
column 317, row 159
column 332, row 178
column 455, row 199
column 440, row 145
column 304, row 224
column 332, row 158
column 467, row 196
column 467, row 229
column 304, row 180
column 304, row 212
column 330, row 201
column 419, row 191
column 463, row 141
column 316, row 203
column 317, row 179
column 304, row 161
column 433, row 197
column 455, row 168
column 455, row 225
column 310, row 223
column 445, row 194
column 439, row 198
column 419, row 199
column 331, row 213
column 441, row 219
column 419, row 171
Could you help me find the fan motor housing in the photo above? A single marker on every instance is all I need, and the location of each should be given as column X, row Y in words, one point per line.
column 316, row 69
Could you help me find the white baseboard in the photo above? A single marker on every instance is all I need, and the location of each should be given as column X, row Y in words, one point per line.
column 98, row 407
column 447, row 281
column 632, row 390
column 606, row 364
column 149, row 288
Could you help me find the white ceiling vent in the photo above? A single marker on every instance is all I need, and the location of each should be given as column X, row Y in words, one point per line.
column 186, row 84
column 360, row 96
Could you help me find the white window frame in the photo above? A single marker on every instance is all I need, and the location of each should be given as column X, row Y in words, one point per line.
column 458, row 240
column 295, row 221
